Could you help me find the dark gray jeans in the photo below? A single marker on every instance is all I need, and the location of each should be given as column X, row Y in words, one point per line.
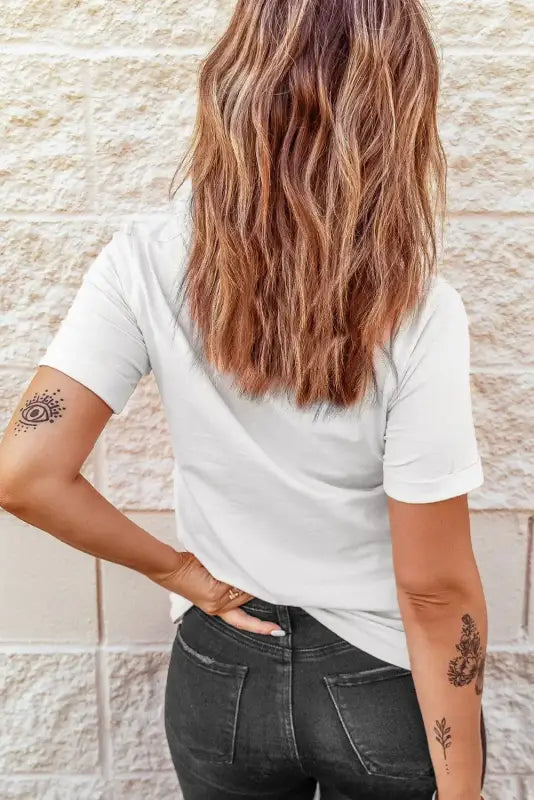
column 249, row 716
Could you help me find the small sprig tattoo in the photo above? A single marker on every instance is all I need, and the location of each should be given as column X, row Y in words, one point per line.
column 443, row 736
column 469, row 665
column 42, row 407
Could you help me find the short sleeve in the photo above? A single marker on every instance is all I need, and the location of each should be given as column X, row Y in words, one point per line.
column 430, row 447
column 99, row 342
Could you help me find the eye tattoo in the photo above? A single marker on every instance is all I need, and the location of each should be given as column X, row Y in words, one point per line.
column 443, row 736
column 469, row 665
column 40, row 408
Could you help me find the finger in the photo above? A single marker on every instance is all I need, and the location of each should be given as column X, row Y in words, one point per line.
column 238, row 601
column 246, row 622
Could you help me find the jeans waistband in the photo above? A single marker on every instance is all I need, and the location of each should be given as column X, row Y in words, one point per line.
column 305, row 637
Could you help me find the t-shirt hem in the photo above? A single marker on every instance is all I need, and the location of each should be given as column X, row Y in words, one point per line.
column 443, row 488
column 178, row 605
column 389, row 646
column 383, row 642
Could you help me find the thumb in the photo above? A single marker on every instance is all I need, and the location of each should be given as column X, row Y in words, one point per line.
column 246, row 622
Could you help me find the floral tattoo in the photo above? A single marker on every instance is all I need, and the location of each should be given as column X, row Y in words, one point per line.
column 40, row 408
column 469, row 665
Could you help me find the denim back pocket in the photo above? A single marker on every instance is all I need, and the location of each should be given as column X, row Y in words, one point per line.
column 380, row 714
column 202, row 697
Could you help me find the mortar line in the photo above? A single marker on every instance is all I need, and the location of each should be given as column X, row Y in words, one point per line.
column 102, row 684
column 139, row 648
column 474, row 213
column 76, row 777
column 62, row 216
column 60, row 50
column 136, row 51
column 528, row 575
column 470, row 214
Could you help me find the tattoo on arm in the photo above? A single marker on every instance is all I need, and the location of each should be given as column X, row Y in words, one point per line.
column 443, row 736
column 469, row 665
column 464, row 668
column 40, row 408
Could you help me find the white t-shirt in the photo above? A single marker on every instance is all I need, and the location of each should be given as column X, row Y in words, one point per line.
column 284, row 503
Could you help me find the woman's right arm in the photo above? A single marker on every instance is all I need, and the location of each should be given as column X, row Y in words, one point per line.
column 431, row 462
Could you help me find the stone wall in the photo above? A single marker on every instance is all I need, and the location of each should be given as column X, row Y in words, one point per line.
column 97, row 101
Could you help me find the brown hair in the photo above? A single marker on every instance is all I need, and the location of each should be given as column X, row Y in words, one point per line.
column 316, row 172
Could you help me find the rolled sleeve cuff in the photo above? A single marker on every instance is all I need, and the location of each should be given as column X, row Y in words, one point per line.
column 442, row 488
column 93, row 375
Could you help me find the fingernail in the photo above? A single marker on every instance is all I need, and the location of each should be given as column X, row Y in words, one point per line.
column 278, row 633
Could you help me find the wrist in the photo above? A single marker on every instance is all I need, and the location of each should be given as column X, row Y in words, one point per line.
column 171, row 561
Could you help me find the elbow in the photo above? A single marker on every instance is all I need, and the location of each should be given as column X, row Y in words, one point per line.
column 11, row 499
column 429, row 601
column 15, row 491
column 442, row 595
column 433, row 615
column 24, row 490
column 430, row 609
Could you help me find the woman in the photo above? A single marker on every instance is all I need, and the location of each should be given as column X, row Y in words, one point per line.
column 314, row 369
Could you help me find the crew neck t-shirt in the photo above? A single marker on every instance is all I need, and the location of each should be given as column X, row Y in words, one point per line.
column 287, row 504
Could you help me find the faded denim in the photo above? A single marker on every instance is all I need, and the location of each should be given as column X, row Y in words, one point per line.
column 253, row 716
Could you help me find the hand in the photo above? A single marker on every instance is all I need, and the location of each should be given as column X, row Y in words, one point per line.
column 191, row 579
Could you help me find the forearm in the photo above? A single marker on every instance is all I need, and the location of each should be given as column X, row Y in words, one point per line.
column 447, row 639
column 77, row 514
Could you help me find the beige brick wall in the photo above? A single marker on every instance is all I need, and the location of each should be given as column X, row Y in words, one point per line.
column 97, row 101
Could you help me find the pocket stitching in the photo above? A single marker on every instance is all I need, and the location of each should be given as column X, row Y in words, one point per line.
column 352, row 679
column 239, row 635
column 236, row 715
column 237, row 671
column 211, row 664
column 367, row 676
column 257, row 609
column 349, row 737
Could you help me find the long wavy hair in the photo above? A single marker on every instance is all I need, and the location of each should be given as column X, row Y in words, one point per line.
column 317, row 177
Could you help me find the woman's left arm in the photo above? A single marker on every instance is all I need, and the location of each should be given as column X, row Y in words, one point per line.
column 444, row 614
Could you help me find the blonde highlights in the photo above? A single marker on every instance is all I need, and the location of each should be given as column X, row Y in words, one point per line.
column 317, row 174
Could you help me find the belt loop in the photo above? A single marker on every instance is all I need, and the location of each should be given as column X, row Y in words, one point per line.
column 282, row 612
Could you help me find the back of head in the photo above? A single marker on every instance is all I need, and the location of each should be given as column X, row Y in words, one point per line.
column 316, row 171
